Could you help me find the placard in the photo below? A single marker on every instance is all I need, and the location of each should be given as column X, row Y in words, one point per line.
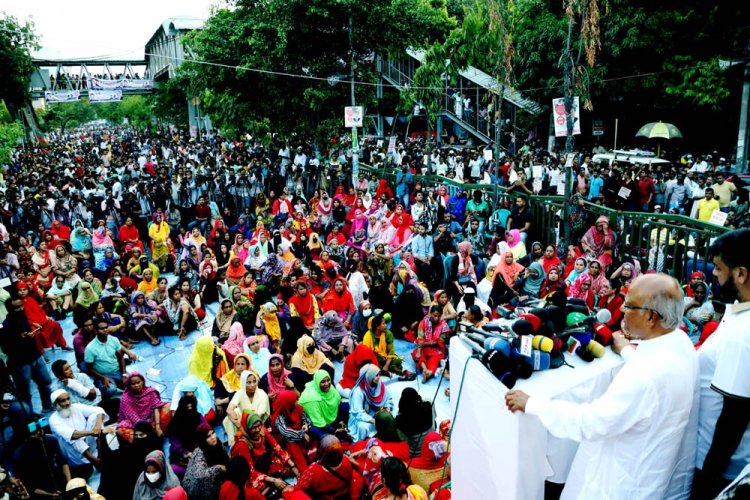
column 512, row 176
column 353, row 116
column 392, row 144
column 537, row 185
column 624, row 193
column 488, row 154
column 561, row 188
column 537, row 172
column 718, row 217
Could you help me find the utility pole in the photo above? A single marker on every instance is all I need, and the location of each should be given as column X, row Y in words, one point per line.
column 355, row 140
column 742, row 139
column 568, row 85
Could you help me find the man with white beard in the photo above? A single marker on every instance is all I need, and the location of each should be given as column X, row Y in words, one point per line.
column 77, row 427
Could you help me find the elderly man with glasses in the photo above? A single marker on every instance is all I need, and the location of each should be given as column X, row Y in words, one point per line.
column 637, row 440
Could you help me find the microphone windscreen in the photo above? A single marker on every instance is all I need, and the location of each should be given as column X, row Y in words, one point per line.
column 500, row 366
column 538, row 360
column 603, row 334
column 575, row 318
column 584, row 354
column 540, row 313
column 584, row 338
column 603, row 316
column 492, row 328
column 556, row 299
column 557, row 316
column 583, row 309
column 497, row 344
column 542, row 343
column 522, row 327
column 596, row 349
column 535, row 320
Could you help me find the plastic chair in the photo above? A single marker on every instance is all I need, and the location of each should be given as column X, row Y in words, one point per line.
column 499, row 217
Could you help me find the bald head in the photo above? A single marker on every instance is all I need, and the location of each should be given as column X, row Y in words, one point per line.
column 654, row 302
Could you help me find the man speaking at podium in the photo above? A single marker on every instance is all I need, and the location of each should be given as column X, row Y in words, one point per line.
column 637, row 441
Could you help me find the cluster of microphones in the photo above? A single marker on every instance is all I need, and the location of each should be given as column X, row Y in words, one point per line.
column 539, row 336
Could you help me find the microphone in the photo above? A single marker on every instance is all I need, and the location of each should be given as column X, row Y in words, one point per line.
column 596, row 349
column 491, row 343
column 538, row 360
column 542, row 343
column 576, row 319
column 603, row 333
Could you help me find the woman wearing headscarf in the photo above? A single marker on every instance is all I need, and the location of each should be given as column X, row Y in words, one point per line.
column 267, row 325
column 248, row 399
column 340, row 300
column 577, row 217
column 304, row 305
column 142, row 317
column 429, row 466
column 368, row 397
column 361, row 318
column 225, row 318
column 381, row 341
column 432, row 334
column 509, row 269
column 463, row 272
column 578, row 268
column 307, row 360
column 408, row 303
column 80, row 237
column 141, row 403
column 332, row 476
column 160, row 242
column 243, row 307
column 87, row 297
column 278, row 379
column 231, row 381
column 64, row 264
column 332, row 336
column 699, row 309
column 255, row 260
column 193, row 386
column 235, row 271
column 236, row 486
column 207, row 467
column 581, row 289
column 627, row 272
column 321, row 402
column 181, row 433
column 415, row 419
column 207, row 361
column 156, row 479
column 552, row 283
column 612, row 299
column 257, row 352
column 598, row 242
column 273, row 267
column 515, row 244
column 534, row 278
column 268, row 462
column 550, row 259
column 234, row 345
column 293, row 425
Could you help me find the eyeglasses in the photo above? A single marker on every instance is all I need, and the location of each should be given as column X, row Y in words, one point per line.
column 639, row 308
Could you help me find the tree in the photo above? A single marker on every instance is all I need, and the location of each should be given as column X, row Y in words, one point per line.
column 259, row 46
column 68, row 114
column 10, row 134
column 16, row 42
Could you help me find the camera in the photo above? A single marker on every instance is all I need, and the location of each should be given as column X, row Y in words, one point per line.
column 39, row 424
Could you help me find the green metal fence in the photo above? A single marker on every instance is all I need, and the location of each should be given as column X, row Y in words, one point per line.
column 656, row 241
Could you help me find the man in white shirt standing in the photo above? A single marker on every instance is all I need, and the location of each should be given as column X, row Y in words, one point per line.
column 724, row 360
column 635, row 440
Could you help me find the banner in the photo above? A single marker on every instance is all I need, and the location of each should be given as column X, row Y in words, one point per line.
column 561, row 122
column 62, row 95
column 105, row 95
column 353, row 116
column 121, row 84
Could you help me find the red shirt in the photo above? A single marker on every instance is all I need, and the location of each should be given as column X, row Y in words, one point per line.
column 645, row 189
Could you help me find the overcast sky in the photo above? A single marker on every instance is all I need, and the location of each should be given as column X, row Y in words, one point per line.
column 99, row 28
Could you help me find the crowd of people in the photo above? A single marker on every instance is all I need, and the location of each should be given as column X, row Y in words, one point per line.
column 133, row 234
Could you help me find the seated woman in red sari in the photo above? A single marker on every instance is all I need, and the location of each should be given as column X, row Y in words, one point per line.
column 432, row 334
column 50, row 331
column 340, row 300
column 128, row 236
column 292, row 424
column 598, row 242
column 268, row 462
column 332, row 476
column 612, row 300
column 305, row 305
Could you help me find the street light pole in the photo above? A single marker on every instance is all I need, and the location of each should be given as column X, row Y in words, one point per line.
column 355, row 141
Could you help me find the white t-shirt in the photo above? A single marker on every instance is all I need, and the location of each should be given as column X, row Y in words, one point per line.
column 724, row 361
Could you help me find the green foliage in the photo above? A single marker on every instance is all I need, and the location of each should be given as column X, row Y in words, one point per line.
column 169, row 100
column 10, row 134
column 137, row 110
column 68, row 114
column 16, row 42
column 697, row 79
column 300, row 37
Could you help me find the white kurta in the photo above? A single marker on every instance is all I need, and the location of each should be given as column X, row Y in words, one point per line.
column 636, row 440
column 82, row 418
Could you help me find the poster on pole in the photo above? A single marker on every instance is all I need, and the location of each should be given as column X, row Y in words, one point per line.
column 561, row 122
column 353, row 116
column 392, row 144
